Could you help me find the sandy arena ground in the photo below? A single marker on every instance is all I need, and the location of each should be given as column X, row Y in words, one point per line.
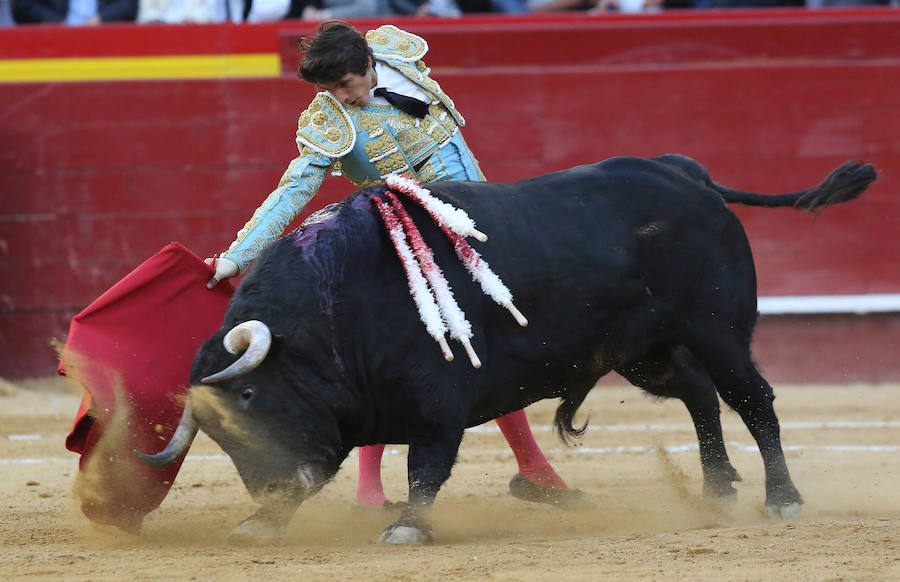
column 638, row 462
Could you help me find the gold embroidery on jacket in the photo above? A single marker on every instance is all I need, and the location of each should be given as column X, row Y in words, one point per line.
column 325, row 127
column 379, row 147
column 391, row 42
column 403, row 51
column 428, row 172
column 415, row 142
column 396, row 138
column 391, row 164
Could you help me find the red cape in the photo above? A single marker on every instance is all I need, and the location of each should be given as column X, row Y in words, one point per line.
column 131, row 350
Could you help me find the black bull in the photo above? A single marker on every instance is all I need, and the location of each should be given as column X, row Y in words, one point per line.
column 633, row 265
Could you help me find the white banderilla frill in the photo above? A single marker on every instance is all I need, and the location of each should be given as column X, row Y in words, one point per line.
column 434, row 300
column 442, row 213
column 456, row 224
column 453, row 316
column 418, row 288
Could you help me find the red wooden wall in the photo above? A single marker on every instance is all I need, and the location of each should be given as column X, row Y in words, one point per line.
column 95, row 176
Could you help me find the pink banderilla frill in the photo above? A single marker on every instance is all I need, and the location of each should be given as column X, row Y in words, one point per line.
column 482, row 273
column 434, row 300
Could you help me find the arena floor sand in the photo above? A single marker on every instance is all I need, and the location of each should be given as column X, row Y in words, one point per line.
column 638, row 462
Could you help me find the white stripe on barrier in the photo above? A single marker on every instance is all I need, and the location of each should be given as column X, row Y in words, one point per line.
column 807, row 304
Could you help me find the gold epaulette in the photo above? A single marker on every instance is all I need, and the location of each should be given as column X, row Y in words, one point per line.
column 326, row 127
column 390, row 42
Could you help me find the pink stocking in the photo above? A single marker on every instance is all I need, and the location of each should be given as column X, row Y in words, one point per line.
column 533, row 464
column 369, row 490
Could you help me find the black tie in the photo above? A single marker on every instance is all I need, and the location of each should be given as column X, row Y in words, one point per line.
column 410, row 105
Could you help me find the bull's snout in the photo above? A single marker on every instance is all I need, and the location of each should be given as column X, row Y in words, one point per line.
column 276, row 491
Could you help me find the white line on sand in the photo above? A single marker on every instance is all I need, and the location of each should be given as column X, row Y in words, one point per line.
column 490, row 427
column 621, row 449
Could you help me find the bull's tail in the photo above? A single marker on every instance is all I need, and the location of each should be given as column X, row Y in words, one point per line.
column 843, row 184
column 564, row 416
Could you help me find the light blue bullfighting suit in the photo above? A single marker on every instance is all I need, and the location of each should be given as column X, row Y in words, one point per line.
column 365, row 144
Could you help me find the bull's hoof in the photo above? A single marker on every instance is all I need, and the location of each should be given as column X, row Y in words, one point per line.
column 255, row 532
column 405, row 534
column 722, row 492
column 521, row 488
column 783, row 501
column 732, row 474
column 723, row 502
column 387, row 506
column 786, row 511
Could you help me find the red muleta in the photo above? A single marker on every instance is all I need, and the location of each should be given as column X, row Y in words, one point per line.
column 131, row 351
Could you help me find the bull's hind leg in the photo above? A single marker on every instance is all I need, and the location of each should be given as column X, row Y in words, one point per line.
column 673, row 372
column 746, row 391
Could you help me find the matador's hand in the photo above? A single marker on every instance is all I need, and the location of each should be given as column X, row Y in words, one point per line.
column 224, row 268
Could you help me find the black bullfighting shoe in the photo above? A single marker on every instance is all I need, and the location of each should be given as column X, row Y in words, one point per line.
column 521, row 488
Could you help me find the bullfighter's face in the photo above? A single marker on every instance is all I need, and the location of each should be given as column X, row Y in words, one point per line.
column 352, row 89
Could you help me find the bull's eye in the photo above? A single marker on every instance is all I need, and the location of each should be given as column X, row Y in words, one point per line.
column 247, row 394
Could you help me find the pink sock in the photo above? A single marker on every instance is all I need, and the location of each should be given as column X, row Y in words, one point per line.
column 369, row 490
column 533, row 464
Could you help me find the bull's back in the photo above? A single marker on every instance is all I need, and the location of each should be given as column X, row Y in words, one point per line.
column 627, row 237
column 613, row 215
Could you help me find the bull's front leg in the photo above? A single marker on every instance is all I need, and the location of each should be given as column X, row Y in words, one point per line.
column 264, row 527
column 429, row 464
column 279, row 500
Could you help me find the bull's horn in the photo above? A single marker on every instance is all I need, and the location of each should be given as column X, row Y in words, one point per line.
column 254, row 337
column 178, row 446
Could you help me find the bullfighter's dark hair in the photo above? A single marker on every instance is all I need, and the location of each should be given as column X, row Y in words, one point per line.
column 333, row 51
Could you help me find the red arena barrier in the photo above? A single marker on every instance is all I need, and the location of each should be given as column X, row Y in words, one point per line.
column 120, row 139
